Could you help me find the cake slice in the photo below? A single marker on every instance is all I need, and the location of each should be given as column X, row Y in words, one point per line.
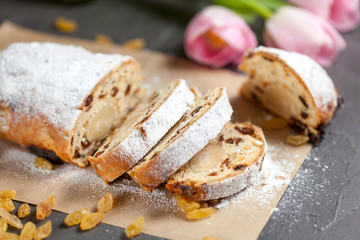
column 61, row 101
column 195, row 129
column 292, row 86
column 227, row 165
column 141, row 130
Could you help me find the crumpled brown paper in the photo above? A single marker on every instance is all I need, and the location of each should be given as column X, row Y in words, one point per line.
column 76, row 188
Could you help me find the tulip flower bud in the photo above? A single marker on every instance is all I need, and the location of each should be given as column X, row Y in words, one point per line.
column 216, row 36
column 298, row 30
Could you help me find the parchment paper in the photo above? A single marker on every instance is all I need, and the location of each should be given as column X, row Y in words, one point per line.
column 76, row 188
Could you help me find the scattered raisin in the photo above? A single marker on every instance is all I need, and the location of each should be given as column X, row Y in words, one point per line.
column 76, row 217
column 135, row 227
column 11, row 219
column 106, row 203
column 8, row 236
column 43, row 231
column 187, row 206
column 28, row 232
column 297, row 140
column 91, row 220
column 7, row 193
column 43, row 163
column 239, row 167
column 43, row 210
column 200, row 213
column 3, row 224
column 23, row 210
column 88, row 100
column 245, row 130
column 114, row 91
column 7, row 204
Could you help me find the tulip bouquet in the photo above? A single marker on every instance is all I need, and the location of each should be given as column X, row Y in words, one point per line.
column 219, row 35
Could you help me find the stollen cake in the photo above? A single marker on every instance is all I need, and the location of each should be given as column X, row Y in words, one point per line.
column 197, row 127
column 292, row 86
column 64, row 100
column 142, row 130
column 227, row 165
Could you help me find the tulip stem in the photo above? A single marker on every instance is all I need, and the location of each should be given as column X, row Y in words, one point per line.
column 255, row 6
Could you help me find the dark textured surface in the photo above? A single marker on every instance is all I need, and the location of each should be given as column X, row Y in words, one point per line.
column 322, row 202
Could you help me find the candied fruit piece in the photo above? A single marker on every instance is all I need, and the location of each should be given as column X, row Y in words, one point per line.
column 23, row 210
column 135, row 227
column 275, row 123
column 106, row 203
column 297, row 140
column 75, row 217
column 43, row 210
column 91, row 220
column 43, row 231
column 11, row 219
column 3, row 224
column 8, row 236
column 65, row 25
column 7, row 194
column 43, row 163
column 187, row 206
column 200, row 213
column 210, row 238
column 28, row 232
column 7, row 203
column 103, row 39
column 136, row 44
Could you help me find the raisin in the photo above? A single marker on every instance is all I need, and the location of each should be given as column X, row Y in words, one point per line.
column 91, row 220
column 114, row 91
column 11, row 219
column 298, row 126
column 237, row 141
column 268, row 58
column 275, row 123
column 221, row 138
column 76, row 217
column 24, row 210
column 106, row 203
column 7, row 193
column 297, row 140
column 226, row 162
column 245, row 130
column 98, row 153
column 102, row 95
column 8, row 236
column 88, row 100
column 200, row 213
column 135, row 227
column 7, row 204
column 43, row 231
column 196, row 111
column 128, row 88
column 85, row 143
column 213, row 174
column 43, row 210
column 302, row 99
column 239, row 167
column 43, row 163
column 187, row 206
column 28, row 232
column 65, row 25
column 304, row 115
column 3, row 224
column 229, row 140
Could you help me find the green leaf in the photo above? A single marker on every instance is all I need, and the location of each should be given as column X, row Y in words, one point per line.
column 274, row 4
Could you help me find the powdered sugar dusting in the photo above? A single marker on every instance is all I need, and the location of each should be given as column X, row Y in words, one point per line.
column 52, row 80
column 275, row 173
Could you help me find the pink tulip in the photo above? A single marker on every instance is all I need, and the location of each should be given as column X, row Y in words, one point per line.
column 216, row 36
column 344, row 15
column 298, row 30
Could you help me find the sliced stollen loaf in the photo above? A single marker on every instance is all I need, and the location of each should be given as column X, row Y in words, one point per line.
column 227, row 165
column 141, row 130
column 63, row 100
column 292, row 86
column 195, row 129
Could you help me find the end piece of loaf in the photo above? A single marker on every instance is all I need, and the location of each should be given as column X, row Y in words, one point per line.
column 292, row 86
column 195, row 129
column 141, row 130
column 227, row 165
column 63, row 100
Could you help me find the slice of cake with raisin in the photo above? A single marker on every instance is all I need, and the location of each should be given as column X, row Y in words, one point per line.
column 196, row 128
column 227, row 165
column 142, row 130
column 292, row 86
column 61, row 100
